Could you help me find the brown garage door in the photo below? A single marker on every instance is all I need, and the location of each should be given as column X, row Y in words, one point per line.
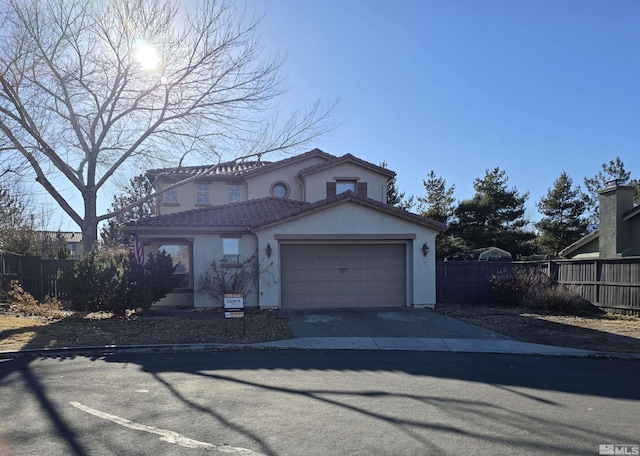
column 340, row 275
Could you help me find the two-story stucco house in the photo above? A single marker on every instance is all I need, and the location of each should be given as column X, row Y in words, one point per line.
column 318, row 222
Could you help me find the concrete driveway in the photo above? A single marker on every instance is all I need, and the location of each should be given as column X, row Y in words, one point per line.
column 383, row 322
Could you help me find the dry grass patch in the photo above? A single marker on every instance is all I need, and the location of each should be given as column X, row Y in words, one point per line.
column 601, row 332
column 77, row 329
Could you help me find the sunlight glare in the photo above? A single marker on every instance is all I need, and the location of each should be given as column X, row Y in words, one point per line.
column 147, row 56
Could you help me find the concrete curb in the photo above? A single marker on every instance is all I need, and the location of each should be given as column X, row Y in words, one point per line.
column 511, row 347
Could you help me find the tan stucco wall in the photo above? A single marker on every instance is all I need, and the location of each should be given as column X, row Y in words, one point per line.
column 209, row 247
column 316, row 183
column 188, row 193
column 205, row 248
column 354, row 219
column 260, row 185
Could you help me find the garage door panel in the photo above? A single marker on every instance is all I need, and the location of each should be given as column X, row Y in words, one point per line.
column 335, row 275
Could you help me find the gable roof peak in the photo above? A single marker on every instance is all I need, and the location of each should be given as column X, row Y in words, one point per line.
column 346, row 158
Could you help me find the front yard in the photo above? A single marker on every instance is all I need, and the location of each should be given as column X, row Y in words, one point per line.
column 602, row 332
column 19, row 331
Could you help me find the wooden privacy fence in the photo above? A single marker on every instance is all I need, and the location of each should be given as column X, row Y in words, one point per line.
column 613, row 284
column 37, row 276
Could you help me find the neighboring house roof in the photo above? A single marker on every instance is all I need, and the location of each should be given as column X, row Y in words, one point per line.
column 68, row 236
column 579, row 243
column 345, row 158
column 260, row 213
column 631, row 213
column 230, row 168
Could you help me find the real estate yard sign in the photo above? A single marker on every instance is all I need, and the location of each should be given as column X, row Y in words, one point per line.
column 233, row 305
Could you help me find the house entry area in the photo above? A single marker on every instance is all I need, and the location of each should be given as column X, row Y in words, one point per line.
column 343, row 275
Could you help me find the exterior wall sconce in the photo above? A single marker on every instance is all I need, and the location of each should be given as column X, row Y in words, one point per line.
column 269, row 250
column 425, row 249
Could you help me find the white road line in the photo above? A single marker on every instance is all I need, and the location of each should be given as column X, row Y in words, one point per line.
column 167, row 436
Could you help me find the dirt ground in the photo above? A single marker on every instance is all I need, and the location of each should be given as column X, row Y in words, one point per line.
column 601, row 332
column 19, row 332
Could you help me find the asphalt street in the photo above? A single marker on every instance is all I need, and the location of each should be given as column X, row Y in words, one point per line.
column 317, row 402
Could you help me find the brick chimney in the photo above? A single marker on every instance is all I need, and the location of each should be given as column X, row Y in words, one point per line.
column 615, row 235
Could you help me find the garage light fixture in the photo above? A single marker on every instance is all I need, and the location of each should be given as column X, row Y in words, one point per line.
column 269, row 250
column 425, row 249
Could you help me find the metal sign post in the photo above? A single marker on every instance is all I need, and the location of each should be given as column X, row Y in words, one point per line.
column 234, row 308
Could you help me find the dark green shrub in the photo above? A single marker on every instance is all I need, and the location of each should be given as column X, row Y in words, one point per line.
column 114, row 282
column 154, row 280
column 92, row 282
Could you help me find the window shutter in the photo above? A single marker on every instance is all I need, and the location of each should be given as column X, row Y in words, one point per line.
column 362, row 189
column 331, row 189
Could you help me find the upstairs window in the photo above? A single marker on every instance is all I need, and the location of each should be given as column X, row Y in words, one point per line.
column 234, row 193
column 344, row 185
column 203, row 194
column 170, row 196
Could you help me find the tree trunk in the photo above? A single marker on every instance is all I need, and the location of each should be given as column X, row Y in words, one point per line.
column 90, row 223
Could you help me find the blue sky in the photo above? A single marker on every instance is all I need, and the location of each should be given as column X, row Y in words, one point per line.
column 534, row 87
column 461, row 86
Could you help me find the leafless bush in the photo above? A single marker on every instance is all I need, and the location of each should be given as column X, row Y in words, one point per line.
column 533, row 289
column 241, row 277
column 24, row 303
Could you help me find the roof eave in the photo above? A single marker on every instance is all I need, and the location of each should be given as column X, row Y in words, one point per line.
column 347, row 158
column 631, row 213
column 579, row 243
column 175, row 229
column 349, row 197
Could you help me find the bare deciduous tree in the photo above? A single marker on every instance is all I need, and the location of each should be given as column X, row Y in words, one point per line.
column 90, row 90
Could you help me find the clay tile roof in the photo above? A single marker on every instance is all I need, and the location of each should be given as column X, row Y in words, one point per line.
column 274, row 165
column 236, row 215
column 345, row 158
column 263, row 212
column 343, row 197
column 230, row 168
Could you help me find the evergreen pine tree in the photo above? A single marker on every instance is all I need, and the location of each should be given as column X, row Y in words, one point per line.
column 112, row 233
column 395, row 197
column 564, row 222
column 494, row 216
column 438, row 204
column 613, row 170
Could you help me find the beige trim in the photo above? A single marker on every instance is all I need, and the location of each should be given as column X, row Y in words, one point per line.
column 286, row 186
column 177, row 230
column 167, row 239
column 344, row 237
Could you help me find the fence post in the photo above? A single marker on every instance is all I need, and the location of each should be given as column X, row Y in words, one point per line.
column 598, row 271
